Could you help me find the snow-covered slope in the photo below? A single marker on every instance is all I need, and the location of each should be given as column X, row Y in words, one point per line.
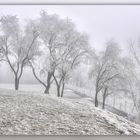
column 32, row 114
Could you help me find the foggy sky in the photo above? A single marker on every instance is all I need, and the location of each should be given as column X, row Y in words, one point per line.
column 100, row 22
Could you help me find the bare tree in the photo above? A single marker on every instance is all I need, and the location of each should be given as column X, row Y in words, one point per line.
column 17, row 46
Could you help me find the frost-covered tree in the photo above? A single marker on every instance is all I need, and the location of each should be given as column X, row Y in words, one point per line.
column 114, row 74
column 135, row 83
column 51, row 29
column 18, row 44
column 123, row 83
column 105, row 70
column 130, row 85
column 72, row 54
column 62, row 50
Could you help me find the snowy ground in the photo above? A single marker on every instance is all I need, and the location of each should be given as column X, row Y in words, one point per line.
column 28, row 113
column 118, row 101
column 121, row 103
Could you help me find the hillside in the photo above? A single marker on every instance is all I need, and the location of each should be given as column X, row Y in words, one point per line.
column 24, row 113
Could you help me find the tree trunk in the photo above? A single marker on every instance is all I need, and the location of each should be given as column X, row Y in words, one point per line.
column 62, row 91
column 104, row 98
column 16, row 83
column 96, row 99
column 47, row 89
column 58, row 91
column 58, row 85
column 48, row 82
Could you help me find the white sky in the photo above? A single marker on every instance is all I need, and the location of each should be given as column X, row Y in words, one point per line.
column 100, row 22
